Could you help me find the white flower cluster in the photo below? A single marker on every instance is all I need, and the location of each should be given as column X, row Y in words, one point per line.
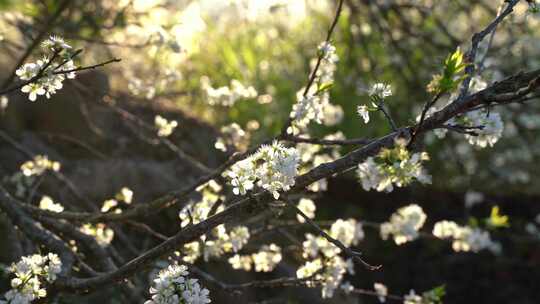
column 273, row 167
column 533, row 227
column 315, row 104
column 332, row 114
column 393, row 166
column 404, row 224
column 492, row 128
column 51, row 74
column 412, row 298
column 31, row 272
column 46, row 203
column 112, row 205
column 328, row 63
column 39, row 165
column 224, row 242
column 226, row 96
column 473, row 198
column 429, row 297
column 100, row 232
column 232, row 136
column 173, row 286
column 377, row 93
column 148, row 88
column 363, row 111
column 25, row 179
column 491, row 122
column 265, row 260
column 307, row 108
column 324, row 262
column 382, row 291
column 380, row 91
column 307, row 207
column 164, row 126
column 139, row 87
column 330, row 274
column 219, row 241
column 465, row 238
column 197, row 212
column 4, row 102
column 312, row 156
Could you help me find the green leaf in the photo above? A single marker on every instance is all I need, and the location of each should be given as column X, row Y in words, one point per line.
column 435, row 295
column 325, row 87
column 452, row 76
column 497, row 220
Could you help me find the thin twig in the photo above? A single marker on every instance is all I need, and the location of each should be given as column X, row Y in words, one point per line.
column 328, row 142
column 426, row 108
column 475, row 42
column 88, row 67
column 355, row 255
column 41, row 74
column 313, row 75
column 380, row 106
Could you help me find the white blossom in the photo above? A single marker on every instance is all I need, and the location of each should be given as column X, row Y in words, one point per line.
column 46, row 76
column 327, row 50
column 244, row 262
column 238, row 237
column 465, row 238
column 191, row 252
column 110, row 205
column 332, row 114
column 226, row 96
column 164, row 126
column 39, row 165
column 323, row 255
column 274, row 168
column 412, row 298
column 125, row 195
column 100, row 232
column 28, row 70
column 196, row 212
column 446, row 229
column 55, row 43
column 382, row 291
column 472, row 198
column 31, row 272
column 307, row 207
column 46, row 203
column 219, row 240
column 307, row 108
column 363, row 112
column 173, row 286
column 329, row 275
column 347, row 287
column 404, row 224
column 232, row 136
column 328, row 63
column 33, row 90
column 391, row 167
column 348, row 232
column 314, row 105
column 313, row 246
column 267, row 258
column 4, row 102
column 492, row 128
column 380, row 91
column 309, row 269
